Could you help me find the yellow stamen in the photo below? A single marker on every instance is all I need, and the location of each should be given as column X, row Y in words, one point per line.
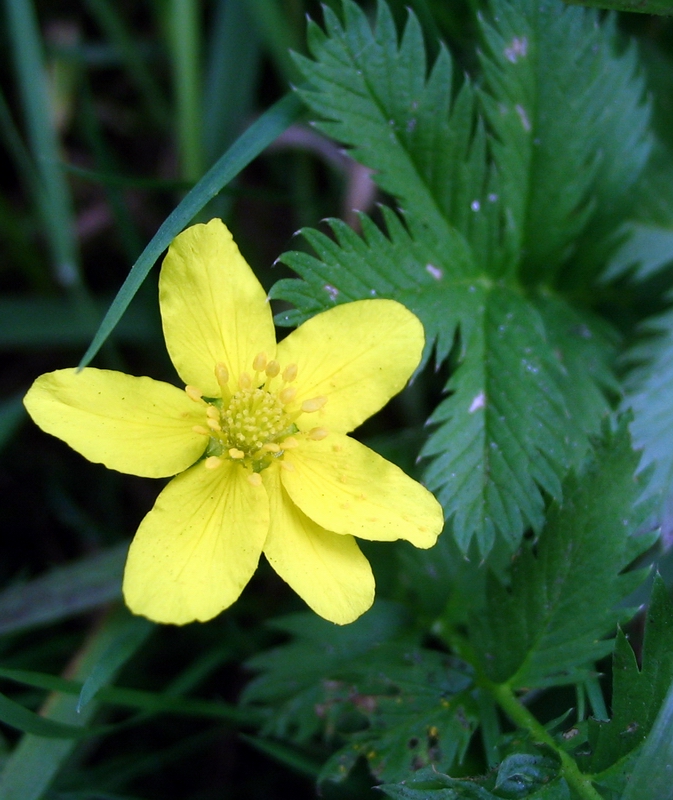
column 287, row 465
column 244, row 381
column 289, row 444
column 194, row 394
column 255, row 479
column 271, row 447
column 212, row 462
column 259, row 362
column 221, row 374
column 314, row 404
column 234, row 453
column 290, row 373
column 212, row 412
column 287, row 395
column 318, row 433
column 272, row 369
column 213, row 424
column 200, row 429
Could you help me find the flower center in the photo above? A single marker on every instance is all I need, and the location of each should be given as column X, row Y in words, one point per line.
column 253, row 418
column 255, row 424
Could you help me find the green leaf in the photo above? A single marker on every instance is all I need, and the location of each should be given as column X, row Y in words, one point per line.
column 639, row 6
column 558, row 145
column 290, row 685
column 80, row 586
column 637, row 694
column 546, row 627
column 417, row 705
column 249, row 145
column 374, row 94
column 491, row 469
column 522, row 775
column 651, row 776
column 649, row 396
column 16, row 716
column 517, row 360
column 129, row 637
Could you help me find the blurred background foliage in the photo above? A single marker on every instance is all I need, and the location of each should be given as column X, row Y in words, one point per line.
column 109, row 113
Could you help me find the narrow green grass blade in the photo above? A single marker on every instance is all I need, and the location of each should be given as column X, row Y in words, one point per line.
column 255, row 139
column 185, row 47
column 80, row 586
column 130, row 637
column 279, row 35
column 54, row 202
column 16, row 716
column 149, row 702
column 231, row 76
column 32, row 766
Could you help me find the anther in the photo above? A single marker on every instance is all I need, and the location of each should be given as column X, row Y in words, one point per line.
column 193, row 393
column 221, row 374
column 200, row 429
column 287, row 395
column 259, row 362
column 314, row 404
column 213, row 424
column 318, row 433
column 272, row 369
column 271, row 447
column 289, row 444
column 290, row 373
column 287, row 465
column 212, row 412
column 212, row 462
column 234, row 453
column 255, row 479
column 244, row 381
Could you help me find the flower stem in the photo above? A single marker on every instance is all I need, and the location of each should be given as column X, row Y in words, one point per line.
column 519, row 714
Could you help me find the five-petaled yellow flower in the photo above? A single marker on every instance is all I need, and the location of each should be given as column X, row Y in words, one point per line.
column 257, row 440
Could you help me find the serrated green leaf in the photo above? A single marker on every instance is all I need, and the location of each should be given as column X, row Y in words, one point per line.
column 490, row 463
column 651, row 776
column 639, row 6
column 547, row 627
column 562, row 153
column 375, row 94
column 637, row 695
column 418, row 707
column 533, row 777
column 290, row 684
column 649, row 395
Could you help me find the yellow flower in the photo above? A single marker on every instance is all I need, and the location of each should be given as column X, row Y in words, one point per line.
column 257, row 440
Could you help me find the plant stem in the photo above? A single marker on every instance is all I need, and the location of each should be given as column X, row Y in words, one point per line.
column 520, row 715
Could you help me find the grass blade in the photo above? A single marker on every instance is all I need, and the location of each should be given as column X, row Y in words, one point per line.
column 255, row 139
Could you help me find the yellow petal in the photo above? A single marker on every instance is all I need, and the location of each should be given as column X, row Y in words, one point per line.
column 348, row 488
column 326, row 570
column 198, row 547
column 357, row 355
column 214, row 310
column 134, row 425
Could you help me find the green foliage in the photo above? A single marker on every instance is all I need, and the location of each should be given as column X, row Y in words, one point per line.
column 637, row 694
column 546, row 628
column 531, row 370
column 398, row 705
column 522, row 775
column 523, row 156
